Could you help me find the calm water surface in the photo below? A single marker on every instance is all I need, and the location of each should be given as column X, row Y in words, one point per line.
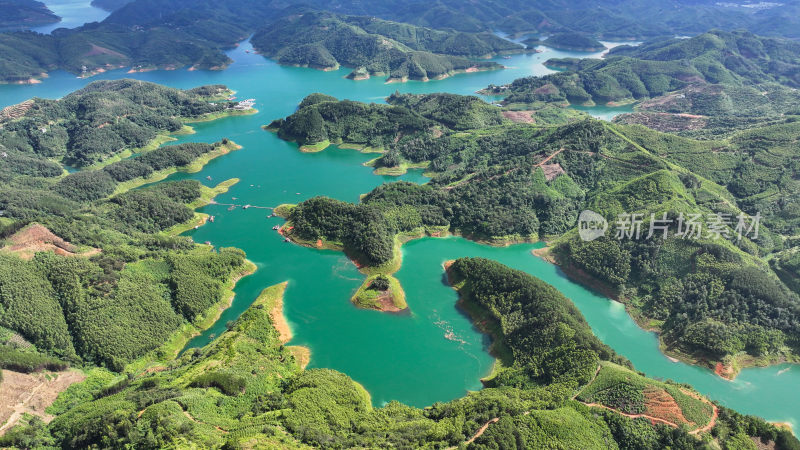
column 73, row 14
column 433, row 353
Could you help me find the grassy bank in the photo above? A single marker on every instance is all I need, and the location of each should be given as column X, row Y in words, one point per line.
column 271, row 299
column 193, row 167
column 158, row 141
column 402, row 169
column 221, row 114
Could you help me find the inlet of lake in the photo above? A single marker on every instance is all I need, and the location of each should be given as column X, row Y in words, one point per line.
column 432, row 353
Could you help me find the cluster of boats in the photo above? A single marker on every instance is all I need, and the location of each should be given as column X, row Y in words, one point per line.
column 245, row 104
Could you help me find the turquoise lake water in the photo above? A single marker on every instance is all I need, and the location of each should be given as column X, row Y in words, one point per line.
column 433, row 353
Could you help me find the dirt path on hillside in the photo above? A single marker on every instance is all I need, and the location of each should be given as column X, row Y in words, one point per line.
column 633, row 416
column 714, row 416
column 481, row 430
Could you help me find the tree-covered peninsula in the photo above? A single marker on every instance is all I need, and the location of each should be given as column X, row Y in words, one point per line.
column 22, row 14
column 577, row 42
column 374, row 47
column 103, row 120
column 497, row 181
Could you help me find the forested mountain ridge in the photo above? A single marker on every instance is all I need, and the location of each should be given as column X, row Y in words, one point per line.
column 173, row 34
column 509, row 182
column 376, row 47
column 627, row 19
column 212, row 397
column 654, row 69
column 21, row 14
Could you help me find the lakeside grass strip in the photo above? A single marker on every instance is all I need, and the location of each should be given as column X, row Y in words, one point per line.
column 220, row 115
column 193, row 167
column 160, row 139
column 402, row 169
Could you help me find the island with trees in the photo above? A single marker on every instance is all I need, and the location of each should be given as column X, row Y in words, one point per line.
column 576, row 42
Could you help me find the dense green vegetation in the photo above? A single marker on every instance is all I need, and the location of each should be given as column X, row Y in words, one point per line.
column 711, row 298
column 97, row 122
column 322, row 120
column 107, row 310
column 661, row 66
column 631, row 20
column 28, row 361
column 136, row 286
column 375, row 47
column 549, row 339
column 245, row 389
column 21, row 14
column 574, row 41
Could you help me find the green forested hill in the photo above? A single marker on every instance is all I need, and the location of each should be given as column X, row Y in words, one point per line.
column 118, row 285
column 21, row 14
column 654, row 69
column 99, row 121
column 574, row 41
column 375, row 47
column 620, row 20
column 214, row 398
column 507, row 182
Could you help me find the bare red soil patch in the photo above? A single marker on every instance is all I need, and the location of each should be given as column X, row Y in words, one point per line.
column 22, row 393
column 658, row 403
column 36, row 238
column 552, row 171
column 519, row 116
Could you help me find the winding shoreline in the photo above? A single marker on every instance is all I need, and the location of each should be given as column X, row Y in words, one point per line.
column 271, row 298
column 727, row 369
